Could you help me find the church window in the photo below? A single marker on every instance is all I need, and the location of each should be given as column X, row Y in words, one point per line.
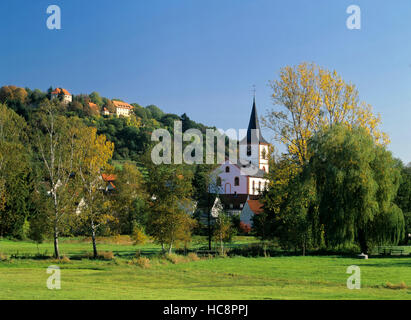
column 227, row 169
column 248, row 150
column 237, row 181
column 264, row 154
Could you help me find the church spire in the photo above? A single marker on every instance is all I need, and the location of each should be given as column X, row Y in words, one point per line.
column 254, row 125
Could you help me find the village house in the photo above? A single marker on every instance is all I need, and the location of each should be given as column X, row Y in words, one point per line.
column 60, row 92
column 122, row 108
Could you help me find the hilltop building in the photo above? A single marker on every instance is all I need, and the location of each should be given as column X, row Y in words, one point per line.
column 63, row 93
column 122, row 108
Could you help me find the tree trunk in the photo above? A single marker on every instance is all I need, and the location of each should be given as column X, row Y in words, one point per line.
column 304, row 245
column 362, row 241
column 93, row 238
column 170, row 248
column 209, row 229
column 56, row 244
column 221, row 245
column 56, row 233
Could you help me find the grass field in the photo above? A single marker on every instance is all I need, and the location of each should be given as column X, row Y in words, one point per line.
column 285, row 277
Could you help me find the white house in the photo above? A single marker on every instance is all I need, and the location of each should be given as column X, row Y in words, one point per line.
column 66, row 96
column 122, row 108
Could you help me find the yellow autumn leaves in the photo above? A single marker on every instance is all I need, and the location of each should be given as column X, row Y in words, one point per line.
column 312, row 98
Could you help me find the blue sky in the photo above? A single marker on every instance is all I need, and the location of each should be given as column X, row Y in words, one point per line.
column 202, row 57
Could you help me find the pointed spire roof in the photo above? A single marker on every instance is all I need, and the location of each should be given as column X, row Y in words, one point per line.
column 254, row 124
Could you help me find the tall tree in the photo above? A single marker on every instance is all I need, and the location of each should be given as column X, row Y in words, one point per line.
column 57, row 146
column 169, row 189
column 356, row 182
column 14, row 171
column 129, row 199
column 310, row 98
column 93, row 159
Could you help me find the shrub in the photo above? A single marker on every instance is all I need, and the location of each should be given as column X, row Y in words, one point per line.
column 193, row 256
column 106, row 255
column 245, row 227
column 3, row 257
column 63, row 259
column 175, row 258
column 400, row 286
column 138, row 236
column 142, row 262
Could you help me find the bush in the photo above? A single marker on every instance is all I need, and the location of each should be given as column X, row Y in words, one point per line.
column 106, row 255
column 175, row 258
column 3, row 257
column 400, row 286
column 245, row 228
column 142, row 262
column 138, row 236
column 193, row 256
column 63, row 259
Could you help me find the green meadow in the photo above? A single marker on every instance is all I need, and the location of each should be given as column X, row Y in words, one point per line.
column 23, row 274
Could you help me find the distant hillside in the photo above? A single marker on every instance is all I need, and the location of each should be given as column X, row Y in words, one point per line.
column 130, row 131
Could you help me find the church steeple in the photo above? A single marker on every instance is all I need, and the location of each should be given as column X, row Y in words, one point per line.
column 253, row 126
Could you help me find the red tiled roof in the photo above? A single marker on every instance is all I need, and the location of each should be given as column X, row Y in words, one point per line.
column 109, row 177
column 59, row 90
column 93, row 106
column 255, row 206
column 120, row 104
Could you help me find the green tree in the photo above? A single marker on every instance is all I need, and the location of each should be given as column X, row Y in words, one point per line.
column 129, row 199
column 96, row 98
column 155, row 112
column 403, row 199
column 356, row 182
column 57, row 147
column 223, row 230
column 169, row 189
column 14, row 172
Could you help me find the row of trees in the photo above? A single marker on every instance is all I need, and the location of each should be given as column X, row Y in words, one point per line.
column 51, row 183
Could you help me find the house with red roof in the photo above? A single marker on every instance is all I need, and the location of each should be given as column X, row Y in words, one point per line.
column 251, row 208
column 66, row 97
column 122, row 108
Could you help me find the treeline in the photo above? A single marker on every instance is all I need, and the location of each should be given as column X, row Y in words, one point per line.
column 130, row 135
column 58, row 176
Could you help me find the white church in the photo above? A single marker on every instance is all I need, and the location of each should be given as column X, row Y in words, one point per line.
column 238, row 185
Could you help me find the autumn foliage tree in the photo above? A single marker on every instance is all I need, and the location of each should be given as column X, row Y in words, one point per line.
column 309, row 98
column 93, row 159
